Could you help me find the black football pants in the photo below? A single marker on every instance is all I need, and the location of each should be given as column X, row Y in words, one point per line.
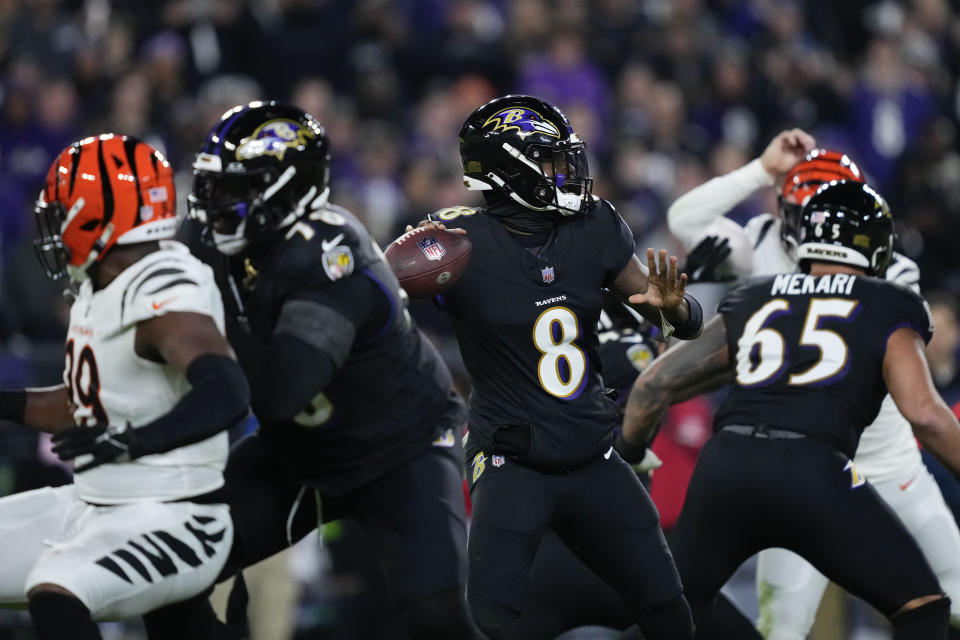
column 601, row 513
column 414, row 515
column 749, row 493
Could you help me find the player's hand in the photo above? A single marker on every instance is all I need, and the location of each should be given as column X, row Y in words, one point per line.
column 665, row 287
column 641, row 458
column 650, row 462
column 105, row 443
column 703, row 260
column 785, row 150
column 435, row 225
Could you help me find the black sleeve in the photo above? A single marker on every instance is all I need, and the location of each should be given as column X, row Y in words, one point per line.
column 218, row 398
column 691, row 328
column 618, row 246
column 312, row 339
column 912, row 311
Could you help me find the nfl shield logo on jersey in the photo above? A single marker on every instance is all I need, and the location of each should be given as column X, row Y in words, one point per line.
column 547, row 274
column 432, row 248
column 498, row 461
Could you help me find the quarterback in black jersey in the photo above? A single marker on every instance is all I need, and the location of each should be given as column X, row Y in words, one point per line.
column 319, row 320
column 811, row 356
column 525, row 314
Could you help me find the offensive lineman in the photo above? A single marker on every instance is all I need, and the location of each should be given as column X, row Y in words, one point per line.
column 150, row 383
column 525, row 314
column 811, row 358
column 789, row 589
column 317, row 320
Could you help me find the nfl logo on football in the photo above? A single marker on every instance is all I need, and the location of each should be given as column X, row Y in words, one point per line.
column 497, row 461
column 547, row 274
column 432, row 248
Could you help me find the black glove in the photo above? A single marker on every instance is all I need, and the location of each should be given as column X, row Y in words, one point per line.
column 704, row 259
column 105, row 443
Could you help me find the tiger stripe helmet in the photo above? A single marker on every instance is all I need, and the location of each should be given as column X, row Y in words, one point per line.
column 102, row 191
column 820, row 166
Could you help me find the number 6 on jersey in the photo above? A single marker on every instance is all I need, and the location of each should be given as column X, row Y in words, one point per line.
column 563, row 365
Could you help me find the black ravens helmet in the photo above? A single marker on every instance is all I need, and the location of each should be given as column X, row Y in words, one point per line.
column 524, row 147
column 262, row 166
column 846, row 222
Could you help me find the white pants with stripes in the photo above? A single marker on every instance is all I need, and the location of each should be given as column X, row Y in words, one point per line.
column 120, row 561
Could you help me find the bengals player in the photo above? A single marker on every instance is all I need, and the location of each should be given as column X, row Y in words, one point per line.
column 149, row 385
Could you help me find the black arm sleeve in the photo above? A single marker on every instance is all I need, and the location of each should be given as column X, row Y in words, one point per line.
column 285, row 373
column 313, row 337
column 219, row 397
column 694, row 324
column 12, row 405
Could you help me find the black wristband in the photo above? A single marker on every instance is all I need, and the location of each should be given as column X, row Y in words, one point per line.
column 13, row 404
column 694, row 323
column 631, row 453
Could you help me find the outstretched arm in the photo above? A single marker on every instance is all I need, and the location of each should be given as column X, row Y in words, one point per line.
column 697, row 209
column 654, row 290
column 191, row 344
column 681, row 373
column 44, row 409
column 908, row 379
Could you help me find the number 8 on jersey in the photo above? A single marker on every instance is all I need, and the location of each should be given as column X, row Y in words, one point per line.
column 562, row 366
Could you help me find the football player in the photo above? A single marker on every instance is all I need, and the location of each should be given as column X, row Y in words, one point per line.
column 150, row 384
column 525, row 314
column 811, row 358
column 317, row 320
column 789, row 589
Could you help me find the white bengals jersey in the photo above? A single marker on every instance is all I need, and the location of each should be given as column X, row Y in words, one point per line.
column 887, row 447
column 109, row 383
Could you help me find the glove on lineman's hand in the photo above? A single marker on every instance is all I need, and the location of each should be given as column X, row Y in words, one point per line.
column 703, row 260
column 105, row 443
column 641, row 458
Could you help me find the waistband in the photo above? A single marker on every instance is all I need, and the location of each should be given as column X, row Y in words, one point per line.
column 762, row 431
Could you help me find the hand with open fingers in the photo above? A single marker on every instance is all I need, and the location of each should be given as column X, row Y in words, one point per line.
column 785, row 150
column 436, row 225
column 665, row 287
column 105, row 443
column 704, row 259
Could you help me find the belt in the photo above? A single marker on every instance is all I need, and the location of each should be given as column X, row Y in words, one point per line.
column 762, row 431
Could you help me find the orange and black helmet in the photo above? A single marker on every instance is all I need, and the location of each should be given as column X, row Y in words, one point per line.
column 820, row 166
column 102, row 191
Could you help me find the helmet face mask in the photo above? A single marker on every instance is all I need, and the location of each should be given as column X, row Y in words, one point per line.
column 52, row 253
column 99, row 192
column 262, row 166
column 848, row 223
column 820, row 166
column 524, row 148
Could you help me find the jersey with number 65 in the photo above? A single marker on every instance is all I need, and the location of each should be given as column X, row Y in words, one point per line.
column 809, row 352
column 526, row 321
column 109, row 383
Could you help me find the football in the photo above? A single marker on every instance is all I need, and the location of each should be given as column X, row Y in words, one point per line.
column 427, row 261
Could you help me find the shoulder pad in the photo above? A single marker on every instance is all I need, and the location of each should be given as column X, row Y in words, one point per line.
column 170, row 281
column 904, row 271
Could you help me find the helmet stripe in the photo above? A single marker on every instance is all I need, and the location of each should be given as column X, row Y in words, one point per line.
column 130, row 146
column 106, row 186
column 75, row 159
column 219, row 133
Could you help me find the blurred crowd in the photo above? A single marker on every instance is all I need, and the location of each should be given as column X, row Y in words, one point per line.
column 667, row 93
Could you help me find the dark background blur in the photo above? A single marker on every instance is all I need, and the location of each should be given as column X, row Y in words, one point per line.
column 666, row 93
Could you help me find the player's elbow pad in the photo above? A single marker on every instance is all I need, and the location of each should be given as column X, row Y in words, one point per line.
column 219, row 397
